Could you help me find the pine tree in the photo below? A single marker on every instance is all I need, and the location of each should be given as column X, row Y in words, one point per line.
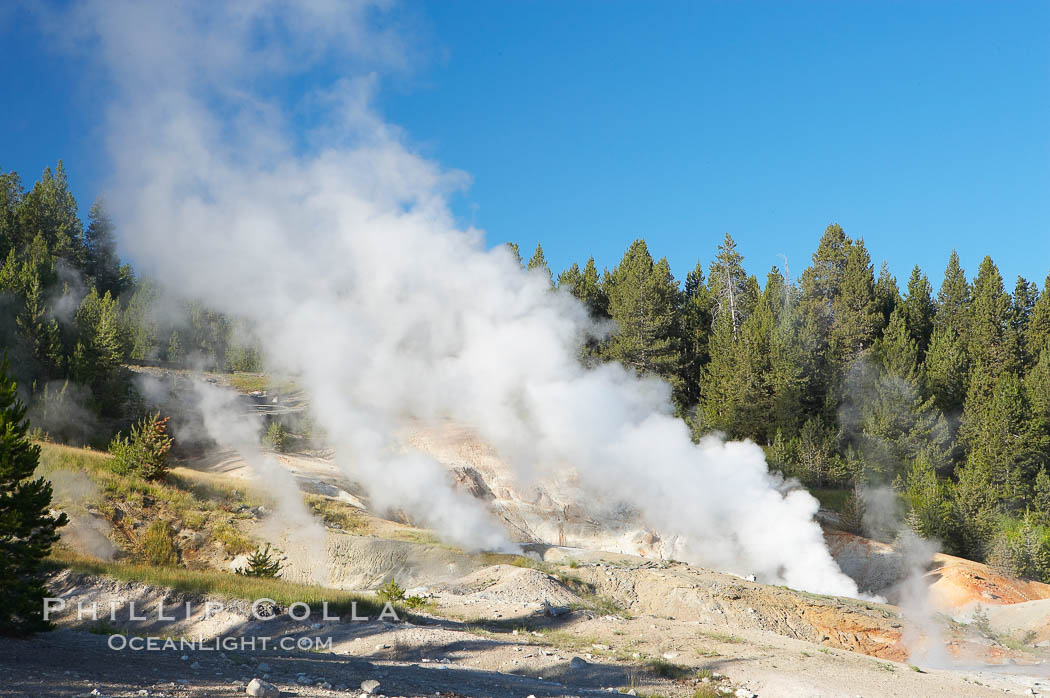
column 40, row 330
column 945, row 369
column 49, row 210
column 821, row 281
column 538, row 261
column 723, row 384
column 728, row 284
column 643, row 301
column 887, row 295
column 587, row 287
column 27, row 530
column 897, row 350
column 569, row 278
column 1037, row 383
column 765, row 372
column 930, row 504
column 997, row 425
column 991, row 342
column 11, row 194
column 1022, row 302
column 1037, row 391
column 953, row 299
column 883, row 415
column 1037, row 336
column 101, row 251
column 1041, row 497
column 515, row 253
column 174, row 350
column 919, row 310
column 138, row 324
column 814, row 453
column 99, row 347
column 976, row 510
column 696, row 332
column 856, row 317
column 821, row 287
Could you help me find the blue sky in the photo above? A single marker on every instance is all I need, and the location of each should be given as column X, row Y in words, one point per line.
column 921, row 126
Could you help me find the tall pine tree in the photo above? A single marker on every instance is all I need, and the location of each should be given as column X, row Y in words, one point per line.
column 27, row 530
column 643, row 301
column 539, row 262
column 919, row 310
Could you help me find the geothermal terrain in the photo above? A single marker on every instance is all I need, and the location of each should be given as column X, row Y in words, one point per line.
column 586, row 606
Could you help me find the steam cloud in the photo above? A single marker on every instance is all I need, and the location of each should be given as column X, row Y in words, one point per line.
column 339, row 247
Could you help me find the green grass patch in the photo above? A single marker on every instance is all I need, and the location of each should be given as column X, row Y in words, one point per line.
column 724, row 638
column 57, row 457
column 251, row 382
column 418, row 536
column 188, row 499
column 224, row 584
column 336, row 514
column 669, row 670
column 233, row 541
column 207, row 487
column 124, row 488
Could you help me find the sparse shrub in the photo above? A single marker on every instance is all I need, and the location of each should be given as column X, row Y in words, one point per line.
column 262, row 563
column 276, row 437
column 981, row 622
column 145, row 450
column 414, row 601
column 725, row 638
column 668, row 670
column 391, row 591
column 158, row 544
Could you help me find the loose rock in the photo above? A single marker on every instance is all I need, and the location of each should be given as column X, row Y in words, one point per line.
column 262, row 689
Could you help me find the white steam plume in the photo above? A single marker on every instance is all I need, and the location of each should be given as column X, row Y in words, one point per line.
column 339, row 246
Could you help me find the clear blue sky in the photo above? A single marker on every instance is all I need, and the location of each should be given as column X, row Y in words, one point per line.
column 921, row 126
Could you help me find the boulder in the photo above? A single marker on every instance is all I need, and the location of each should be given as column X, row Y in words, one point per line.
column 262, row 689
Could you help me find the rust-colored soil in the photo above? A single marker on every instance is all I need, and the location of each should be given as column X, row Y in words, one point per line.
column 956, row 583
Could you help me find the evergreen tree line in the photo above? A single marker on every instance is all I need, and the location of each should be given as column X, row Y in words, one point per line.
column 72, row 313
column 850, row 383
column 845, row 380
